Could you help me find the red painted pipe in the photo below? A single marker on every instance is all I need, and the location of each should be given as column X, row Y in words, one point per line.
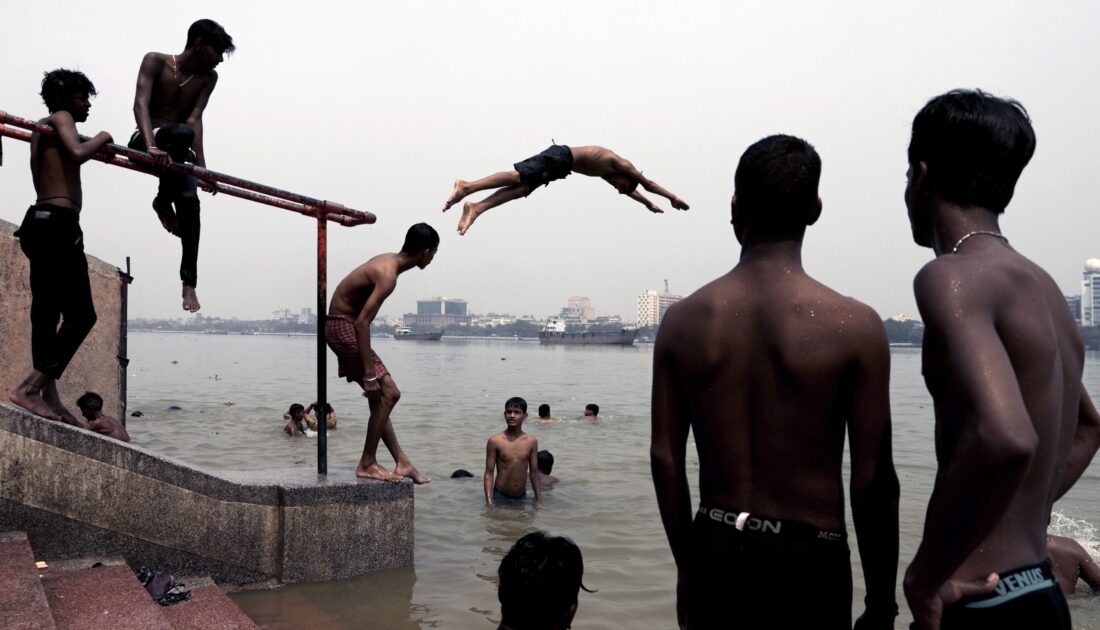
column 141, row 157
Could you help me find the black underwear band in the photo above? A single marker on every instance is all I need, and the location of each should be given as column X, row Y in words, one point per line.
column 1016, row 583
column 754, row 523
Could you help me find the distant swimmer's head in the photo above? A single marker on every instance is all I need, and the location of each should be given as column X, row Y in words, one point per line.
column 544, row 410
column 422, row 242
column 461, row 473
column 515, row 411
column 546, row 462
column 296, row 411
column 591, row 410
column 625, row 185
column 68, row 90
column 210, row 43
column 539, row 580
column 775, row 190
column 968, row 149
column 91, row 405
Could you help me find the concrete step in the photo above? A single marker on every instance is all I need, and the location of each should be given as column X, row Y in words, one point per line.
column 101, row 597
column 208, row 609
column 23, row 603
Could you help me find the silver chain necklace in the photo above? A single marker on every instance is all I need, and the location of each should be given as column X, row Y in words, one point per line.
column 976, row 232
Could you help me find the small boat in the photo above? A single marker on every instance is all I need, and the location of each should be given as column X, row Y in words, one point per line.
column 403, row 332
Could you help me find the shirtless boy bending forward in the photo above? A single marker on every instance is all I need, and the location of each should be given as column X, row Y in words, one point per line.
column 354, row 306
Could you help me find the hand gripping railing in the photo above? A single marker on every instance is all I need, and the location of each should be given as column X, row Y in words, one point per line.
column 324, row 211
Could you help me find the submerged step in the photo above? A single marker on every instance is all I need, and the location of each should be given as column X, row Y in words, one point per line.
column 208, row 609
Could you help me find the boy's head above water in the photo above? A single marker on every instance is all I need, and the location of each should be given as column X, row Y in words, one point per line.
column 515, row 411
column 297, row 411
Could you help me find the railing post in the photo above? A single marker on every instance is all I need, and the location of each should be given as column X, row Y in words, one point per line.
column 322, row 350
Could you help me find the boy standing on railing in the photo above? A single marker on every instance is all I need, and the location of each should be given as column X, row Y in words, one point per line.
column 172, row 93
column 51, row 238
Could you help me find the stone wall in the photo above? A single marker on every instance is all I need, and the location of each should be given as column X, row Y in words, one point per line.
column 99, row 365
column 77, row 493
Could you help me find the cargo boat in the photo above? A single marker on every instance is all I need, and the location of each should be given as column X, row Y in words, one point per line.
column 407, row 333
column 554, row 333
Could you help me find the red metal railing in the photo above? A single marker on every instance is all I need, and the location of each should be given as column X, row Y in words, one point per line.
column 324, row 211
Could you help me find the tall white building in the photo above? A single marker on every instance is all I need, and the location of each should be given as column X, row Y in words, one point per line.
column 652, row 305
column 1090, row 293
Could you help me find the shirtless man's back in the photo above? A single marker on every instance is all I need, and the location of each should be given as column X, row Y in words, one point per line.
column 1003, row 361
column 769, row 368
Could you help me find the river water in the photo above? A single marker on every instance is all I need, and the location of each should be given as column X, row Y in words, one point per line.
column 233, row 390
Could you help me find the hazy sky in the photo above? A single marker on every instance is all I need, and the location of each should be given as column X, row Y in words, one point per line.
column 381, row 105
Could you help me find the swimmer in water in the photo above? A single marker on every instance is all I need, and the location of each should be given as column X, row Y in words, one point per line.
column 1071, row 562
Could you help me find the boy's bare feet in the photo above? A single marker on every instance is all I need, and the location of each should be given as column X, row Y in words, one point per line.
column 457, row 194
column 469, row 213
column 410, row 471
column 679, row 204
column 166, row 215
column 374, row 471
column 190, row 299
column 30, row 398
column 53, row 399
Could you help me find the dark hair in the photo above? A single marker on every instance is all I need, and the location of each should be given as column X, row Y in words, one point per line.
column 546, row 462
column 328, row 407
column 460, row 473
column 211, row 33
column 90, row 400
column 540, row 579
column 516, row 401
column 420, row 237
column 776, row 185
column 593, row 407
column 295, row 408
column 544, row 410
column 975, row 145
column 58, row 86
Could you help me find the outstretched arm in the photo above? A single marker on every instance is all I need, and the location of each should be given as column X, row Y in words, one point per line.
column 1090, row 572
column 874, row 483
column 642, row 199
column 657, row 189
column 1085, row 443
column 79, row 150
column 147, row 75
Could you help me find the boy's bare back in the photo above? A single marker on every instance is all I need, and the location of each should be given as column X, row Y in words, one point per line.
column 352, row 292
column 106, row 425
column 761, row 360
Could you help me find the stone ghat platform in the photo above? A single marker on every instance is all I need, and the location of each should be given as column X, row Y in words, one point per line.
column 76, row 494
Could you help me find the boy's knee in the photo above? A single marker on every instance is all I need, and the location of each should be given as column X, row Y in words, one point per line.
column 391, row 394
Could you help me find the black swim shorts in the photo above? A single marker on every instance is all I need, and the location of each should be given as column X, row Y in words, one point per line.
column 554, row 163
column 1027, row 597
column 758, row 572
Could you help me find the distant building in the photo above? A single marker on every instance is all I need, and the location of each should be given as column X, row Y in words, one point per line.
column 1074, row 302
column 307, row 316
column 438, row 312
column 1090, row 293
column 902, row 317
column 653, row 304
column 579, row 307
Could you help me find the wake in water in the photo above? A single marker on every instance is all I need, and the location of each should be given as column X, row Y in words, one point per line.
column 1080, row 530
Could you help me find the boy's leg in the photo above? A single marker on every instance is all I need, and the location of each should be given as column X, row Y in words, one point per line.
column 642, row 199
column 187, row 213
column 380, row 409
column 656, row 189
column 77, row 319
column 162, row 203
column 496, row 180
column 404, row 466
column 28, row 395
column 471, row 210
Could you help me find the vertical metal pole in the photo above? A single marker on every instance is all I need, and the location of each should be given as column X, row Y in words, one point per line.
column 322, row 350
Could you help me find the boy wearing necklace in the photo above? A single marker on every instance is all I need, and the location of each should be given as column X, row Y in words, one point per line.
column 51, row 238
column 1002, row 359
column 172, row 93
